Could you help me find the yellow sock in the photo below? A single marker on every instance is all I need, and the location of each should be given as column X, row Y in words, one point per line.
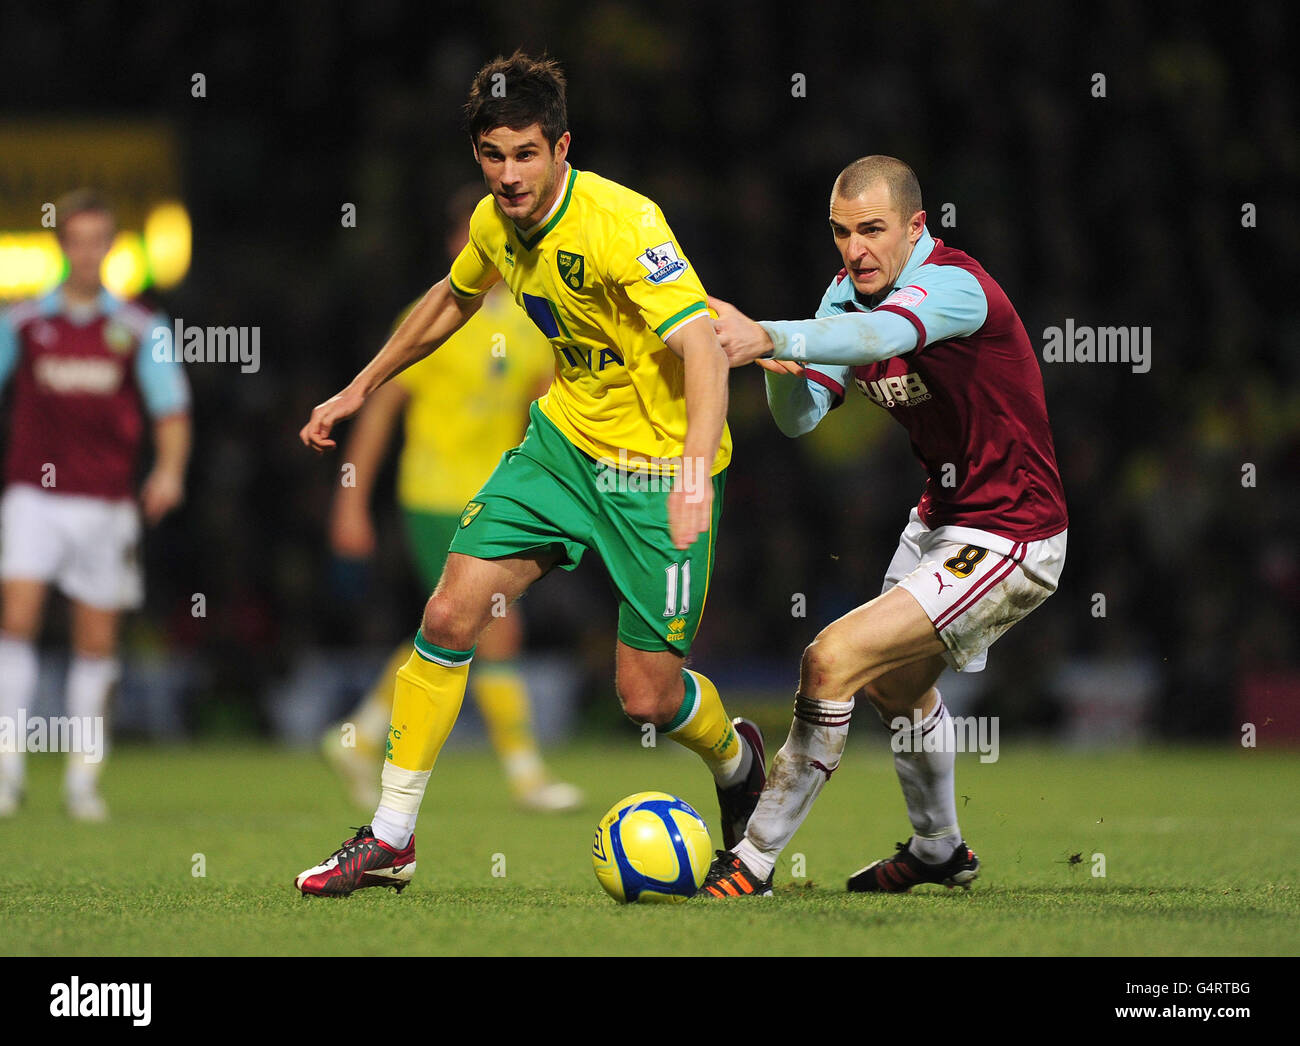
column 503, row 700
column 702, row 725
column 426, row 701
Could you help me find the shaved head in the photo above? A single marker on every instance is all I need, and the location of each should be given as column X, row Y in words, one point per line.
column 861, row 175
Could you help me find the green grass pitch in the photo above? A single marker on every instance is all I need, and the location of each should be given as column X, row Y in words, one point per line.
column 1199, row 849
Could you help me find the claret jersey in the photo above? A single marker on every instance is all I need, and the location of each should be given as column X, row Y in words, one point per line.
column 946, row 354
column 84, row 381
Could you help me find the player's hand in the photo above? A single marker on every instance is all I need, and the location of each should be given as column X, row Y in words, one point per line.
column 690, row 506
column 782, row 367
column 741, row 338
column 352, row 531
column 163, row 491
column 315, row 433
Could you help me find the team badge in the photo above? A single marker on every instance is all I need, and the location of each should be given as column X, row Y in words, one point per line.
column 471, row 513
column 662, row 264
column 119, row 338
column 571, row 268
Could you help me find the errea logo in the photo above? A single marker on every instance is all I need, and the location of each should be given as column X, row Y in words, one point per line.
column 896, row 390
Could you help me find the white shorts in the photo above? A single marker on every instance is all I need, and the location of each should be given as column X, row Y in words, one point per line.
column 89, row 547
column 972, row 584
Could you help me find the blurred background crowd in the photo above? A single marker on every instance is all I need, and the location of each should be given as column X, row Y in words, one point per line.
column 1111, row 202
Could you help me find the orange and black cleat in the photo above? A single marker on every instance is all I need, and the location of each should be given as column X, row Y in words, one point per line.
column 729, row 876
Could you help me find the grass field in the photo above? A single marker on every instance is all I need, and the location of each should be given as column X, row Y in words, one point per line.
column 1199, row 851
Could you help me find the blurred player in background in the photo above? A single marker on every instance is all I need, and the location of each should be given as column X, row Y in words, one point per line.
column 85, row 382
column 626, row 454
column 922, row 330
column 463, row 409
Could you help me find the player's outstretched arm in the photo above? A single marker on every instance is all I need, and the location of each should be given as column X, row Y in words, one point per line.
column 743, row 340
column 797, row 404
column 434, row 319
column 690, row 506
column 852, row 339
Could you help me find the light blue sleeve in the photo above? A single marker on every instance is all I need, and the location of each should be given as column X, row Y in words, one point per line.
column 162, row 382
column 940, row 302
column 799, row 404
column 8, row 348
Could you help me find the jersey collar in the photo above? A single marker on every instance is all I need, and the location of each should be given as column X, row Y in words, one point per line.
column 56, row 304
column 920, row 254
column 531, row 237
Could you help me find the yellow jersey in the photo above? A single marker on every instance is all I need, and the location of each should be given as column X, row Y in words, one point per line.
column 468, row 405
column 604, row 279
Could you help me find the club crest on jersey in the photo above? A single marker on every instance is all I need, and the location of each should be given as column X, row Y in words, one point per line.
column 662, row 264
column 471, row 513
column 571, row 268
column 119, row 338
column 896, row 390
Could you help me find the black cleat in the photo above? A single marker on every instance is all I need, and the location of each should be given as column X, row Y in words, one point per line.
column 729, row 876
column 900, row 873
column 737, row 802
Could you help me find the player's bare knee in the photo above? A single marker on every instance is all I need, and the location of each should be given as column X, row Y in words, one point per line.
column 447, row 625
column 826, row 670
column 640, row 706
column 644, row 702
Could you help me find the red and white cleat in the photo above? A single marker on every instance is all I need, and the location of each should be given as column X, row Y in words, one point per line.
column 360, row 862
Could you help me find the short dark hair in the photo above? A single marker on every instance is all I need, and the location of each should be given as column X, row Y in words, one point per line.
column 860, row 175
column 80, row 201
column 517, row 92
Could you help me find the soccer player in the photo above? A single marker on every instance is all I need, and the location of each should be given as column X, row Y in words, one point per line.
column 463, row 409
column 626, row 454
column 85, row 380
column 924, row 332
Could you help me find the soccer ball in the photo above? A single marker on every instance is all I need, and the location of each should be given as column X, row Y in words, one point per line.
column 651, row 846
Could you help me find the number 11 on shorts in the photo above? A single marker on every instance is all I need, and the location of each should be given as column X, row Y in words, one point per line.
column 674, row 571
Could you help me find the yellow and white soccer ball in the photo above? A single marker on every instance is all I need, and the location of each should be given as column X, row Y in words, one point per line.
column 651, row 847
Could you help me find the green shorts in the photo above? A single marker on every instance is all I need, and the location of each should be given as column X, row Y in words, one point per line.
column 547, row 494
column 429, row 534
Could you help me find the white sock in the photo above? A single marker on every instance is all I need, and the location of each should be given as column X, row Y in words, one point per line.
column 90, row 681
column 18, row 669
column 925, row 754
column 399, row 806
column 803, row 765
column 731, row 772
